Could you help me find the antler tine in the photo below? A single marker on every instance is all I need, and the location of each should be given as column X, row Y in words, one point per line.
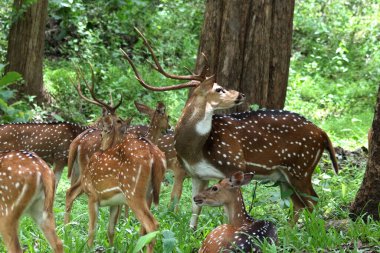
column 159, row 68
column 206, row 68
column 78, row 86
column 190, row 84
column 113, row 108
column 91, row 88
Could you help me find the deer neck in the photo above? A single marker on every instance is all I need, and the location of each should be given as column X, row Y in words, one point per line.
column 154, row 133
column 112, row 139
column 235, row 210
column 193, row 129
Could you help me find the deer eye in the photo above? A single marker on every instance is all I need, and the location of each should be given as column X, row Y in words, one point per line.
column 214, row 189
column 219, row 90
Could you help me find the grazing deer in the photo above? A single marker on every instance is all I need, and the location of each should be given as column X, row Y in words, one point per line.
column 50, row 141
column 166, row 144
column 242, row 229
column 27, row 186
column 276, row 145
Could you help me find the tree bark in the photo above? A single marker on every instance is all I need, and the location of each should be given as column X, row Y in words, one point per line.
column 367, row 199
column 248, row 46
column 26, row 46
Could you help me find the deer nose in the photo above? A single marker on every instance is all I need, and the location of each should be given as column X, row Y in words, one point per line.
column 240, row 98
column 198, row 200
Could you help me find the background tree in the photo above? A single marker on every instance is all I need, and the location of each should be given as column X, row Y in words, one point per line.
column 367, row 199
column 248, row 45
column 26, row 45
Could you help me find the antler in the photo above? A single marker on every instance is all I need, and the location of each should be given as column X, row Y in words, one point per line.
column 194, row 79
column 80, row 76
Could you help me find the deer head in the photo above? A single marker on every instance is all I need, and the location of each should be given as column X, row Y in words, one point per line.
column 112, row 126
column 223, row 192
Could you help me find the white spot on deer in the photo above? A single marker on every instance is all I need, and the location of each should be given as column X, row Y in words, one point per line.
column 203, row 127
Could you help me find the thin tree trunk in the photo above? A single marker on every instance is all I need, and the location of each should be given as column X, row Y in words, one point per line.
column 26, row 46
column 248, row 45
column 367, row 199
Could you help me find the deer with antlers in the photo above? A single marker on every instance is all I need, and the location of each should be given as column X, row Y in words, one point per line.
column 27, row 186
column 87, row 143
column 276, row 145
column 242, row 230
column 127, row 170
column 50, row 141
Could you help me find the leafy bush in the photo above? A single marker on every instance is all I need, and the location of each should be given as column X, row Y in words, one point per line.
column 16, row 111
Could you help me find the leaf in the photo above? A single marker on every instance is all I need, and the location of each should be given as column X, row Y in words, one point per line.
column 9, row 78
column 57, row 117
column 169, row 241
column 286, row 191
column 144, row 240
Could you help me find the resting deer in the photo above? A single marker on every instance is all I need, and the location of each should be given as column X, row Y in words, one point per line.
column 242, row 230
column 50, row 141
column 127, row 171
column 274, row 144
column 26, row 187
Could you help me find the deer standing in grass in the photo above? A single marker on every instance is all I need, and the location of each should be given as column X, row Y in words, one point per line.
column 166, row 144
column 127, row 171
column 242, row 230
column 87, row 143
column 276, row 145
column 27, row 186
column 50, row 141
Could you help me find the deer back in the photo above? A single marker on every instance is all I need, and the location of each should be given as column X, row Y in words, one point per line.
column 263, row 141
column 50, row 141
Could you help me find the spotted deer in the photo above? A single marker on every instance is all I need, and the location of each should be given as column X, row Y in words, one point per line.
column 127, row 170
column 27, row 186
column 242, row 230
column 166, row 144
column 50, row 141
column 276, row 145
column 88, row 142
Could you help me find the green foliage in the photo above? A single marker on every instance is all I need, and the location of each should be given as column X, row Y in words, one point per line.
column 334, row 69
column 333, row 82
column 11, row 111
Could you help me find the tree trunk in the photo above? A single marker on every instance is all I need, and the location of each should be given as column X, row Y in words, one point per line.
column 248, row 45
column 26, row 46
column 368, row 197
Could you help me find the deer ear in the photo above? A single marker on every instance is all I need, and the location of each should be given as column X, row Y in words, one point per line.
column 144, row 109
column 160, row 107
column 104, row 112
column 239, row 179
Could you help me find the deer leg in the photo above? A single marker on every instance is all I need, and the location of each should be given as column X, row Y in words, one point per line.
column 58, row 168
column 114, row 216
column 126, row 211
column 71, row 194
column 93, row 209
column 146, row 219
column 304, row 196
column 8, row 231
column 45, row 221
column 179, row 177
column 198, row 186
column 75, row 173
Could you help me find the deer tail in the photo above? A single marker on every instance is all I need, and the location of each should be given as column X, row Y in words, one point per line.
column 48, row 181
column 329, row 147
column 73, row 150
column 158, row 172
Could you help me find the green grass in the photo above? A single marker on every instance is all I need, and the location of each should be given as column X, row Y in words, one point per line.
column 310, row 235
